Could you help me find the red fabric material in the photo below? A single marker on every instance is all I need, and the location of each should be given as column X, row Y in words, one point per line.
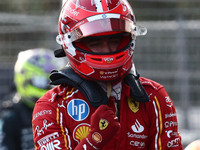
column 62, row 119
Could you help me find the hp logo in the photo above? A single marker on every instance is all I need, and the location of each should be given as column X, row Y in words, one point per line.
column 78, row 109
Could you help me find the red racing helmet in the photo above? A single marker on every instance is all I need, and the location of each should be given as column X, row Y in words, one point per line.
column 83, row 18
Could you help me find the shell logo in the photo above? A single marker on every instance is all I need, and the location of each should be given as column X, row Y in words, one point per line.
column 97, row 137
column 101, row 72
column 81, row 131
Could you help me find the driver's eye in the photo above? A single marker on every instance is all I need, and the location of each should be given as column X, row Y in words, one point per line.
column 94, row 43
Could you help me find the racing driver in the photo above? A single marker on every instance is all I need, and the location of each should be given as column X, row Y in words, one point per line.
column 100, row 101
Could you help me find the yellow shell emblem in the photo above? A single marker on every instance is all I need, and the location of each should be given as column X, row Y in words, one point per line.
column 103, row 124
column 82, row 132
column 97, row 137
column 101, row 72
column 133, row 105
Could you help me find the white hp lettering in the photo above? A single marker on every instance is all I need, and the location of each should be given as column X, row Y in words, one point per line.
column 74, row 109
column 78, row 110
column 81, row 110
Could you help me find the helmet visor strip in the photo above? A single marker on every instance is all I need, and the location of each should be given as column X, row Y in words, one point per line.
column 100, row 24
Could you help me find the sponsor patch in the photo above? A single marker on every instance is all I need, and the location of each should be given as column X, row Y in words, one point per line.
column 108, row 60
column 96, row 137
column 48, row 138
column 138, row 144
column 103, row 124
column 40, row 130
column 170, row 124
column 41, row 113
column 133, row 105
column 78, row 109
column 168, row 101
column 81, row 131
column 170, row 115
column 137, row 127
column 171, row 133
column 174, row 143
column 53, row 145
column 138, row 136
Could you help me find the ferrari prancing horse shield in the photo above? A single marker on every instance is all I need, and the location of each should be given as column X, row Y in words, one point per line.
column 103, row 124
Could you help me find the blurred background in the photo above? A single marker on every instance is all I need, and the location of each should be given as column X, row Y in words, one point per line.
column 168, row 54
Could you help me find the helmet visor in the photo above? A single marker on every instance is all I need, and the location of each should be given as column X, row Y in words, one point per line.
column 40, row 82
column 100, row 27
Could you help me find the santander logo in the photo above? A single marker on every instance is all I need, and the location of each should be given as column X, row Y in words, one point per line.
column 137, row 127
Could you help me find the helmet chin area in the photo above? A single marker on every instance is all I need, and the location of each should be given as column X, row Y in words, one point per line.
column 102, row 67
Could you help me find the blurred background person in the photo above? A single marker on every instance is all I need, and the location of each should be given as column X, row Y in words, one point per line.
column 31, row 80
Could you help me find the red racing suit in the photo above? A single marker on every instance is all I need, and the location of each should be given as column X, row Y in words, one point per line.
column 61, row 119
